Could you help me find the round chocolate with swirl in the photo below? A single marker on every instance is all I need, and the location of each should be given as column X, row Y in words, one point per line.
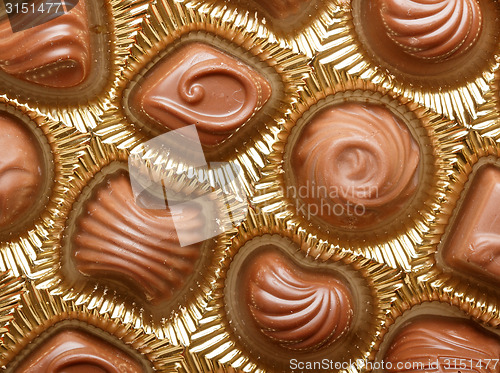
column 119, row 241
column 355, row 165
column 442, row 345
column 200, row 85
column 54, row 54
column 297, row 309
column 77, row 351
column 21, row 170
column 432, row 29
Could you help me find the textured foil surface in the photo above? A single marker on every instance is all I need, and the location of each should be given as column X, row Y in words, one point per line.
column 300, row 58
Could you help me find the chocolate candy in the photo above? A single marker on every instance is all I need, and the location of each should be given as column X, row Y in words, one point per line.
column 76, row 351
column 473, row 242
column 119, row 240
column 296, row 309
column 359, row 164
column 21, row 171
column 443, row 344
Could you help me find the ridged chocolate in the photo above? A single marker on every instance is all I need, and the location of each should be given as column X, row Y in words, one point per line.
column 432, row 29
column 54, row 54
column 117, row 239
column 355, row 165
column 298, row 309
column 20, row 170
column 473, row 246
column 441, row 345
column 75, row 351
column 200, row 85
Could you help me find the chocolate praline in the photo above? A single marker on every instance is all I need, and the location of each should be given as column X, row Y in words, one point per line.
column 118, row 242
column 474, row 240
column 441, row 344
column 355, row 165
column 54, row 54
column 21, row 170
column 76, row 351
column 199, row 84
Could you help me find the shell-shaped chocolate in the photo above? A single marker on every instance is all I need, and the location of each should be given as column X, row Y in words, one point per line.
column 117, row 239
column 355, row 164
column 73, row 350
column 442, row 345
column 200, row 85
column 432, row 29
column 55, row 54
column 297, row 309
column 20, row 170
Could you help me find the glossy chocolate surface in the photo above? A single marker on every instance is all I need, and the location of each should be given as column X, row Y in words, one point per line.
column 355, row 165
column 54, row 54
column 440, row 345
column 426, row 42
column 75, row 351
column 200, row 85
column 21, row 170
column 294, row 308
column 474, row 242
column 438, row 29
column 120, row 241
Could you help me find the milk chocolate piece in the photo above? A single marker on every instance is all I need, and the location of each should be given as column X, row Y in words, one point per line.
column 438, row 29
column 297, row 309
column 20, row 170
column 425, row 40
column 54, row 54
column 442, row 345
column 200, row 85
column 120, row 241
column 474, row 242
column 75, row 351
column 355, row 165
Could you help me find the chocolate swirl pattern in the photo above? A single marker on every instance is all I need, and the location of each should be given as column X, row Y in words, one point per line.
column 75, row 351
column 20, row 170
column 200, row 85
column 432, row 29
column 54, row 54
column 438, row 341
column 117, row 239
column 298, row 310
column 358, row 164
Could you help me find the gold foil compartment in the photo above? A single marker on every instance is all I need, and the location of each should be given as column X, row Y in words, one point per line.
column 173, row 319
column 23, row 246
column 108, row 28
column 442, row 345
column 169, row 28
column 439, row 141
column 339, row 51
column 339, row 290
column 220, row 339
column 285, row 18
column 38, row 315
